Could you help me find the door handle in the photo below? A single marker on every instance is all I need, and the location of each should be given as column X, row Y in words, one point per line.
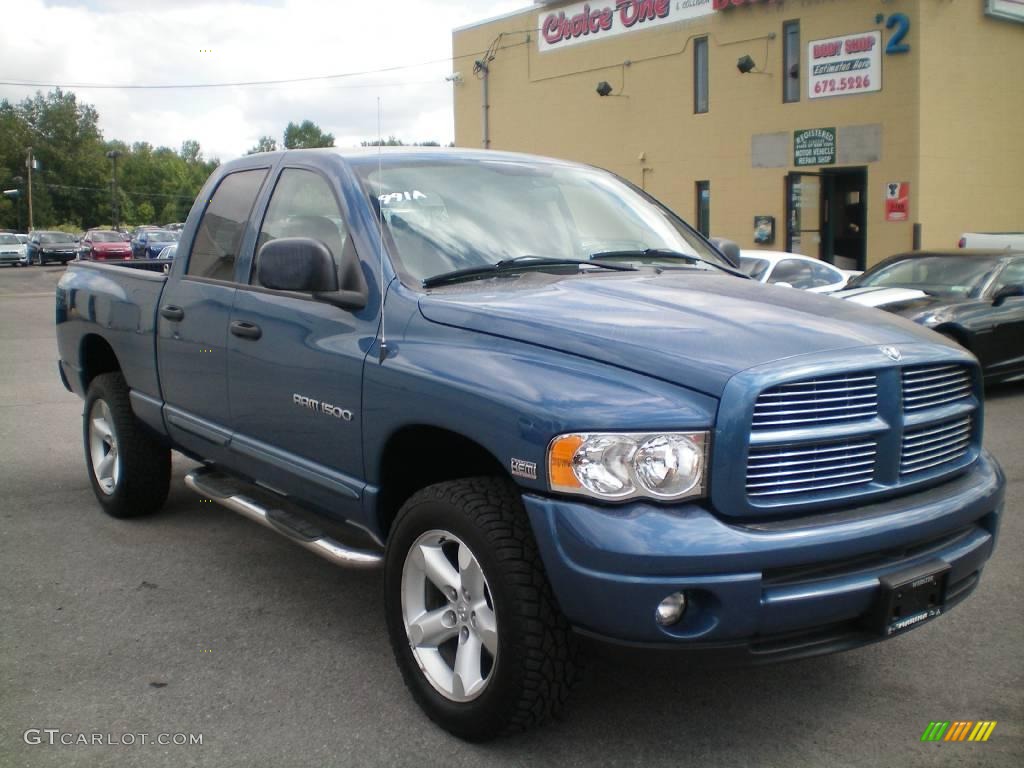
column 171, row 312
column 245, row 330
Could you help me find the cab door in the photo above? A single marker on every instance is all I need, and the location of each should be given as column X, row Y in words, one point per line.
column 1003, row 354
column 296, row 364
column 192, row 321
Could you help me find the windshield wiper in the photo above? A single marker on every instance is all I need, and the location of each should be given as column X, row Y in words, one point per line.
column 661, row 253
column 518, row 264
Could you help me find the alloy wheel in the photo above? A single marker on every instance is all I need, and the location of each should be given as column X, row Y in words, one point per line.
column 106, row 463
column 449, row 616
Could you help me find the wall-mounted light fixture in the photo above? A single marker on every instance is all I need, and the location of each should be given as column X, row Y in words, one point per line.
column 604, row 88
column 745, row 64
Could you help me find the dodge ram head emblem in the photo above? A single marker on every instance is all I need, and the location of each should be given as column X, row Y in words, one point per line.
column 892, row 353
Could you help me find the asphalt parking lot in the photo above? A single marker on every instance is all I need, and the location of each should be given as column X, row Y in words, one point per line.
column 196, row 621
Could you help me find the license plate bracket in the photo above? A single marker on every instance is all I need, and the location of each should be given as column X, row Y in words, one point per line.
column 910, row 597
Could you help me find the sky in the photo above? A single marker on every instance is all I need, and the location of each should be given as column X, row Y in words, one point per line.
column 153, row 42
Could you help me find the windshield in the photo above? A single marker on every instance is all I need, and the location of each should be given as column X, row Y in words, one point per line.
column 450, row 214
column 9, row 240
column 753, row 267
column 948, row 276
column 158, row 236
column 57, row 237
column 105, row 237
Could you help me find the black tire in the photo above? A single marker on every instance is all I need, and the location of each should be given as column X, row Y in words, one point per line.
column 145, row 463
column 538, row 656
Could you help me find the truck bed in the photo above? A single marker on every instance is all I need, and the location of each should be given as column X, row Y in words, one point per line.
column 119, row 300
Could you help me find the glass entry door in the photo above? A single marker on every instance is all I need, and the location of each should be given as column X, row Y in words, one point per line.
column 804, row 214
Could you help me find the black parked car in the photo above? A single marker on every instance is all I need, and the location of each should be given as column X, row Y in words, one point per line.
column 44, row 247
column 975, row 297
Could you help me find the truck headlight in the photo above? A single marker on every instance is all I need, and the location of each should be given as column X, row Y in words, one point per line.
column 667, row 466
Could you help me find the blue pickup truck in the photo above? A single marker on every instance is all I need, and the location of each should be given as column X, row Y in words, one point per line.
column 545, row 407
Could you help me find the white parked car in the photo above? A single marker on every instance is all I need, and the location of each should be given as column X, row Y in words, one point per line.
column 1010, row 240
column 12, row 250
column 794, row 271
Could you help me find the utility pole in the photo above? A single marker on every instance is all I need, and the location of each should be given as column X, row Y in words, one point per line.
column 482, row 71
column 114, row 207
column 28, row 164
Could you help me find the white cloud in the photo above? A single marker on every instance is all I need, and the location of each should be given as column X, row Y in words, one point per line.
column 158, row 42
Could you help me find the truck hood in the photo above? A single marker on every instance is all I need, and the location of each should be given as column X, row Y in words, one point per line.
column 694, row 329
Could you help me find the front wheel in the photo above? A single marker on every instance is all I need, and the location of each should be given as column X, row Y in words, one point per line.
column 475, row 628
column 129, row 468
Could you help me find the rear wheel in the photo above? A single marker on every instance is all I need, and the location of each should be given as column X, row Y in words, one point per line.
column 130, row 469
column 475, row 628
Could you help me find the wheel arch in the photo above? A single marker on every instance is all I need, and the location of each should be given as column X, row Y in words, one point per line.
column 96, row 356
column 420, row 455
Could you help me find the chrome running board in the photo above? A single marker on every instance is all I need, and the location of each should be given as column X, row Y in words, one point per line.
column 262, row 507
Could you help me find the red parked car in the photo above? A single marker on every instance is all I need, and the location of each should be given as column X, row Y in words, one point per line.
column 104, row 245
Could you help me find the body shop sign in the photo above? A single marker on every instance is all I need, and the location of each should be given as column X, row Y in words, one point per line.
column 843, row 66
column 816, row 146
column 597, row 20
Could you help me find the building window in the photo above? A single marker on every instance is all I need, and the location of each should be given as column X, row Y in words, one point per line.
column 791, row 61
column 704, row 208
column 700, row 75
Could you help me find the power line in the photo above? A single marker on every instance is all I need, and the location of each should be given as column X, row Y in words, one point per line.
column 136, row 193
column 248, row 83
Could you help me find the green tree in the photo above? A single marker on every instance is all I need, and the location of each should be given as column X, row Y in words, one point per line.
column 72, row 186
column 191, row 151
column 306, row 136
column 145, row 213
column 265, row 144
column 392, row 141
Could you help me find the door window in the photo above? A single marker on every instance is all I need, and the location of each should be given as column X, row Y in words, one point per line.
column 804, row 214
column 220, row 232
column 303, row 206
column 798, row 273
column 1012, row 275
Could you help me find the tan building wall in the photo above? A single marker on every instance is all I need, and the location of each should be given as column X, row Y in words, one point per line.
column 972, row 123
column 545, row 103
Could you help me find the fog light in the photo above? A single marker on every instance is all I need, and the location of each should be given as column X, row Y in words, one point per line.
column 671, row 609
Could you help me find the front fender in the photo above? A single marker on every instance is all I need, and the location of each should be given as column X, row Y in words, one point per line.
column 508, row 396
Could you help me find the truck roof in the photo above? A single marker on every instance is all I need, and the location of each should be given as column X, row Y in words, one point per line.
column 393, row 154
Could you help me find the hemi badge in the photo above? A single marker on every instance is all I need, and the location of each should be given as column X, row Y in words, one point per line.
column 522, row 468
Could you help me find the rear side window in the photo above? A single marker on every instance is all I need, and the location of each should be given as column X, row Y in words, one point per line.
column 220, row 232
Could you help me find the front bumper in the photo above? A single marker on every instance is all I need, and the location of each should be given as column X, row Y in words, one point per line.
column 11, row 258
column 61, row 256
column 775, row 590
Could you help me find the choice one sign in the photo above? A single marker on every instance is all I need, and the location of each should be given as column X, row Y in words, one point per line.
column 596, row 20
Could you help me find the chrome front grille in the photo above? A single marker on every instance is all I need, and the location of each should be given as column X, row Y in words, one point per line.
column 824, row 400
column 858, row 432
column 932, row 385
column 935, row 445
column 786, row 470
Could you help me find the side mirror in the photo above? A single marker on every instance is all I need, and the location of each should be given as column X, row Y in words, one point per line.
column 1016, row 289
column 728, row 249
column 306, row 265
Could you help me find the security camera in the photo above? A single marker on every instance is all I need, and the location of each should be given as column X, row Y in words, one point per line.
column 454, row 77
